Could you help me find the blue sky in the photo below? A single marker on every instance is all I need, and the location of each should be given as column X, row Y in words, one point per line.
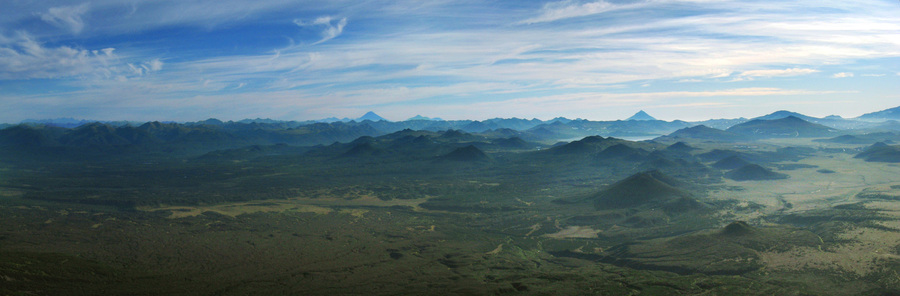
column 455, row 59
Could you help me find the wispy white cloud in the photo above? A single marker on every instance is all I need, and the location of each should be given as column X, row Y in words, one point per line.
column 23, row 57
column 66, row 17
column 842, row 75
column 778, row 72
column 333, row 27
column 554, row 11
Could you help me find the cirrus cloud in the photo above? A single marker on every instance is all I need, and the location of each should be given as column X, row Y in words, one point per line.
column 333, row 27
column 842, row 75
column 66, row 17
column 554, row 11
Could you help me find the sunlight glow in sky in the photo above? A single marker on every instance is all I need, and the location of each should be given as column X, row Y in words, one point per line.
column 455, row 59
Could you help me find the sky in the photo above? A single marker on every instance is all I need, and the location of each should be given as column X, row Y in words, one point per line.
column 184, row 60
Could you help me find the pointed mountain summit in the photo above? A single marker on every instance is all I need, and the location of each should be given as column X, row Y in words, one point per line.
column 641, row 115
column 371, row 116
column 640, row 189
column 680, row 147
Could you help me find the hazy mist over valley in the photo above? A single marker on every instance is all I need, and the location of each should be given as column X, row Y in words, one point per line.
column 662, row 147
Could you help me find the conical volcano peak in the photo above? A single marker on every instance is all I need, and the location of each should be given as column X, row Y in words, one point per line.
column 641, row 115
column 371, row 116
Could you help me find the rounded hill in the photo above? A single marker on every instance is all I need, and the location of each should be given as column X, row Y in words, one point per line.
column 754, row 172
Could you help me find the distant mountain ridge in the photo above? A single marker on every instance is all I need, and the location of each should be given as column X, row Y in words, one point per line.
column 702, row 132
column 887, row 114
column 269, row 131
column 787, row 127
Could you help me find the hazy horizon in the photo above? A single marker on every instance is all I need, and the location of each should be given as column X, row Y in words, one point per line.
column 408, row 118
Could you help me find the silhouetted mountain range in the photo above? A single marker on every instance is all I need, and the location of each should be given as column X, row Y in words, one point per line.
column 887, row 114
column 212, row 132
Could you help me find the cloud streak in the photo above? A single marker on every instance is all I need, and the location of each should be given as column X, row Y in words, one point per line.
column 554, row 11
column 66, row 17
column 842, row 75
column 23, row 57
column 333, row 27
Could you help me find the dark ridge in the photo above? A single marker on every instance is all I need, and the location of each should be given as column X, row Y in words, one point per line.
column 680, row 147
column 718, row 154
column 878, row 144
column 794, row 166
column 363, row 140
column 137, row 136
column 880, row 152
column 730, row 163
column 512, row 143
column 24, row 136
column 737, row 228
column 754, row 172
column 467, row 154
column 661, row 163
column 652, row 187
column 451, row 134
column 583, row 146
column 93, row 135
column 683, row 204
column 620, row 151
column 476, row 127
column 702, row 132
column 846, row 139
column 362, row 150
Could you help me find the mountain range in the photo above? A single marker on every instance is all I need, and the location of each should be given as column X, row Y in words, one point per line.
column 885, row 118
column 641, row 126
